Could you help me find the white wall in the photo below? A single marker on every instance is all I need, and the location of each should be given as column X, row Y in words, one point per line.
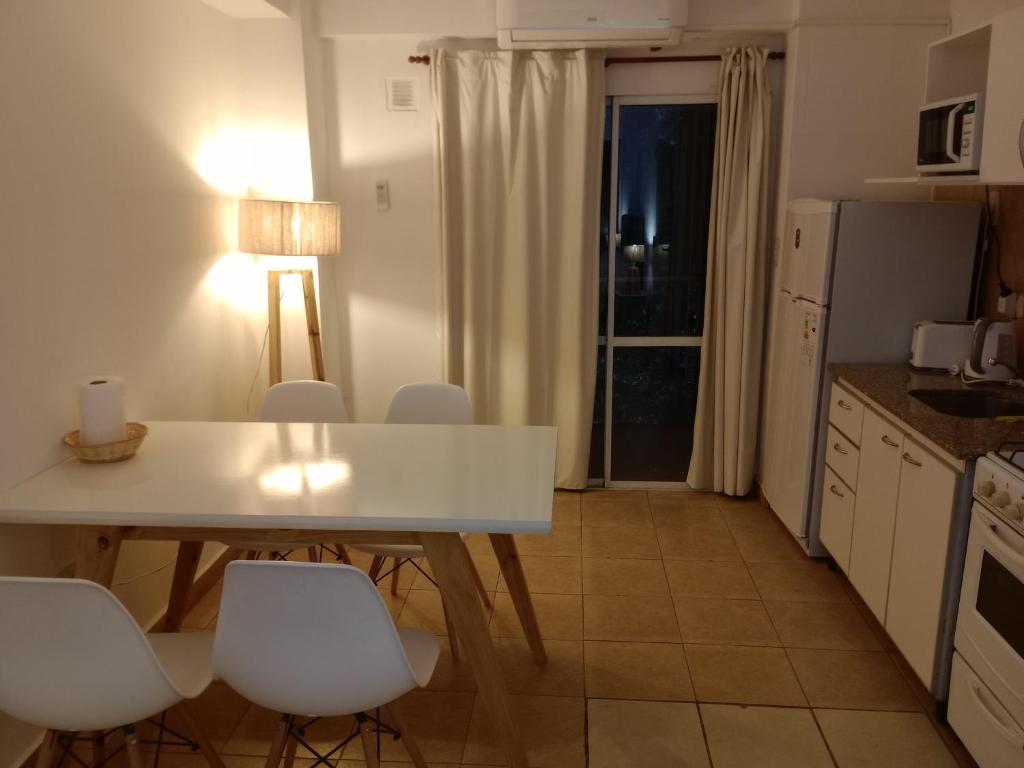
column 970, row 13
column 387, row 272
column 855, row 90
column 125, row 123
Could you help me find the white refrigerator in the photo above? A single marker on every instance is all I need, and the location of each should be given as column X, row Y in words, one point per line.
column 853, row 279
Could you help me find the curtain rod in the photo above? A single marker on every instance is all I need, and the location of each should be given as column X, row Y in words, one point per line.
column 776, row 55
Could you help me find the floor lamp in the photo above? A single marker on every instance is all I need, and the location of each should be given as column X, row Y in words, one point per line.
column 281, row 228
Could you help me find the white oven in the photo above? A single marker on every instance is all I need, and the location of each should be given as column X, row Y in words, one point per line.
column 986, row 701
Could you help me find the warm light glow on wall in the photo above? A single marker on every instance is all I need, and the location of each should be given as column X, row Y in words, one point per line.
column 257, row 161
column 240, row 279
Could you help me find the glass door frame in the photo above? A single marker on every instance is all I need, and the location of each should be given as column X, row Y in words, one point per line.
column 611, row 341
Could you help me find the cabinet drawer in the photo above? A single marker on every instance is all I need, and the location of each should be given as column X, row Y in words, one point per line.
column 846, row 412
column 837, row 503
column 843, row 456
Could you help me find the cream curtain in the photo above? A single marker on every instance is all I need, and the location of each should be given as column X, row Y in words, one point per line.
column 520, row 145
column 725, row 431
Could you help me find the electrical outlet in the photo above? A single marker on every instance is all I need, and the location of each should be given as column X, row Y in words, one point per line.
column 383, row 195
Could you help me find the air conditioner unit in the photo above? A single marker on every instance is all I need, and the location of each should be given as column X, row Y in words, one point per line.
column 590, row 23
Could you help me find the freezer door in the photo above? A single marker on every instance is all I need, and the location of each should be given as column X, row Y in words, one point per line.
column 807, row 249
column 797, row 395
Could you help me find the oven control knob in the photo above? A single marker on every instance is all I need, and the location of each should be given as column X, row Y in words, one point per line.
column 1016, row 512
column 1001, row 499
column 986, row 488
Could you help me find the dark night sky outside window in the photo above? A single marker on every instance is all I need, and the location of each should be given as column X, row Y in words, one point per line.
column 662, row 168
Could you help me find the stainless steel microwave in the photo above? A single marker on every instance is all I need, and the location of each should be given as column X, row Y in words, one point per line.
column 949, row 136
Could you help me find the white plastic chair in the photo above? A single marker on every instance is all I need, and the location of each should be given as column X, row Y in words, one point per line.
column 304, row 401
column 73, row 659
column 426, row 403
column 300, row 402
column 316, row 640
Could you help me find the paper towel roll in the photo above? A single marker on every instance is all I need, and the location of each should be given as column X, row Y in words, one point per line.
column 101, row 410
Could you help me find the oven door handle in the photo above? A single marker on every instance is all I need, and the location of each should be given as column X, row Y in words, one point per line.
column 1015, row 737
column 1006, row 545
column 951, row 132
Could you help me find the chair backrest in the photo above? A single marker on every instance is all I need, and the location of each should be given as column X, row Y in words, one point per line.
column 430, row 404
column 73, row 659
column 304, row 401
column 308, row 639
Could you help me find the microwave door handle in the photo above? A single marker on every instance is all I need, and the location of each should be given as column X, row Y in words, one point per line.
column 951, row 132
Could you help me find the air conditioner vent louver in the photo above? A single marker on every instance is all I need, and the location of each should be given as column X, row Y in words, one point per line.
column 403, row 94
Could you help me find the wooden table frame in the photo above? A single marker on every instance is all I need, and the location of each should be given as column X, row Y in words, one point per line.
column 97, row 548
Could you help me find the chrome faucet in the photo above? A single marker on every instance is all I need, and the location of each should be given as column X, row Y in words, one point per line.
column 1013, row 368
column 981, row 326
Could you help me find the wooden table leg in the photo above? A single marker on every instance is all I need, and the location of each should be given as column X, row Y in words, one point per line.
column 96, row 551
column 512, row 569
column 408, row 739
column 184, row 575
column 450, row 563
column 47, row 749
column 205, row 747
column 99, row 747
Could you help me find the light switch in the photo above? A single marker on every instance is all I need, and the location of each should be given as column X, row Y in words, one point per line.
column 383, row 195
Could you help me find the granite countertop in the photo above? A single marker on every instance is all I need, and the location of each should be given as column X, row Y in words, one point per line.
column 888, row 386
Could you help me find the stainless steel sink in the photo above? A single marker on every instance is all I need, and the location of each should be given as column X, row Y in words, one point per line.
column 968, row 403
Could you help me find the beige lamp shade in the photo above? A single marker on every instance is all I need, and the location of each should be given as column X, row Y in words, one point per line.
column 282, row 228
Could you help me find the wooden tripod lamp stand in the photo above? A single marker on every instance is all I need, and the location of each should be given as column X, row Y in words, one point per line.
column 281, row 228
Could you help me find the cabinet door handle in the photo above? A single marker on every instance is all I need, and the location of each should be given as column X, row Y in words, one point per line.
column 911, row 460
column 836, row 491
column 839, row 449
column 890, row 442
column 844, row 405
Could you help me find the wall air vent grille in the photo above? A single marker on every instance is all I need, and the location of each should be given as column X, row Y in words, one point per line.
column 403, row 94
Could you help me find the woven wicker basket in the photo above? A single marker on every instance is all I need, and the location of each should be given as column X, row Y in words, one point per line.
column 107, row 453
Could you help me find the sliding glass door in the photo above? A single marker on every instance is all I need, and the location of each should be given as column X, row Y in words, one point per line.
column 659, row 156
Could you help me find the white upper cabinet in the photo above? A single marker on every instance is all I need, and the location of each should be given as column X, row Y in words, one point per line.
column 988, row 60
column 1002, row 150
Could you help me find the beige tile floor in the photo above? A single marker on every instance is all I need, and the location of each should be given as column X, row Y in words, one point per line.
column 683, row 629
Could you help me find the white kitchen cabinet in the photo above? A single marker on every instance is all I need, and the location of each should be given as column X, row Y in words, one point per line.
column 989, row 60
column 837, row 503
column 1002, row 148
column 924, row 511
column 874, row 516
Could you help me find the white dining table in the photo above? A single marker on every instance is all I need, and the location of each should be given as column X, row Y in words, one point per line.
column 300, row 484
